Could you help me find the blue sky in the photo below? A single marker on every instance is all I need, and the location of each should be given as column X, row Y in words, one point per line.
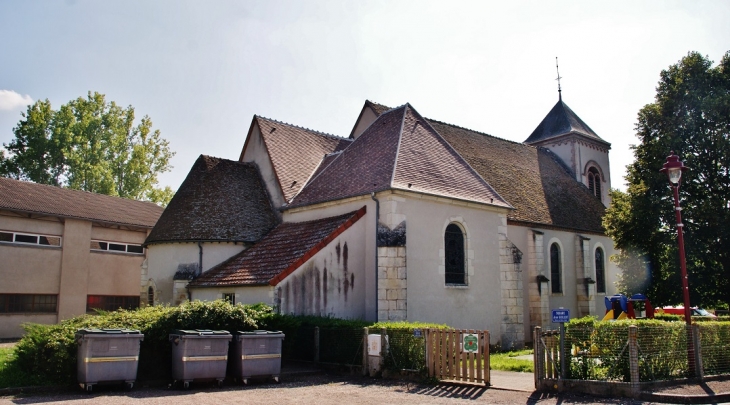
column 201, row 70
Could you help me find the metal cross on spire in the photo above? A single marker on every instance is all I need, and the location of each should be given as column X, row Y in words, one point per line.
column 560, row 94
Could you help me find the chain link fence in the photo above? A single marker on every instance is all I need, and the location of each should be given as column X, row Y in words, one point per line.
column 715, row 347
column 406, row 350
column 602, row 351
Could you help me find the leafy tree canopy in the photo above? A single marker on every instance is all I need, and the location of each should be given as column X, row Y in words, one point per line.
column 691, row 116
column 89, row 144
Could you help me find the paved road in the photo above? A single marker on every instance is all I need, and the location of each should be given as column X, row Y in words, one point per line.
column 311, row 389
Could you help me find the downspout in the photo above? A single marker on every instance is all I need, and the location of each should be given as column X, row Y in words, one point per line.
column 377, row 220
column 200, row 258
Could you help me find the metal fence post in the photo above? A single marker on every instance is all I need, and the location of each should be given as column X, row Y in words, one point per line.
column 634, row 358
column 365, row 363
column 698, row 351
column 538, row 356
column 316, row 345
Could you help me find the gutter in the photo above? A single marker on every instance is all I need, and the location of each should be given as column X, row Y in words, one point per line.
column 377, row 220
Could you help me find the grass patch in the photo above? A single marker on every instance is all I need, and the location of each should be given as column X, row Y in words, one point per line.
column 508, row 361
column 11, row 376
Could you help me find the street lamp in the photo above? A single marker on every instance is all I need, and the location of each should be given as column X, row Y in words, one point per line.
column 673, row 169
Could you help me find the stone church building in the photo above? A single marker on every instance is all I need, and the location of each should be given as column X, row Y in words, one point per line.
column 408, row 218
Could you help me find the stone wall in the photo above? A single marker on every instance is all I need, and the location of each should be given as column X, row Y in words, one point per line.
column 392, row 284
column 510, row 265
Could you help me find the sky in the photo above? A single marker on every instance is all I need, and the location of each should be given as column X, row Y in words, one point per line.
column 201, row 69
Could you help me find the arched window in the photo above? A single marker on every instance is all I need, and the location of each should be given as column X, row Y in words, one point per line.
column 600, row 272
column 150, row 296
column 594, row 182
column 454, row 255
column 555, row 269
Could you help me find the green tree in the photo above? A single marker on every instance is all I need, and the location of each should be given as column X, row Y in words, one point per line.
column 89, row 144
column 691, row 116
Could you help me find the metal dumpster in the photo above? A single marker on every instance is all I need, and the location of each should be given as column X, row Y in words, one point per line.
column 107, row 355
column 199, row 354
column 256, row 354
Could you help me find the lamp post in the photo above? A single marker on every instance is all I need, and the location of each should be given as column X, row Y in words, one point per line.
column 673, row 169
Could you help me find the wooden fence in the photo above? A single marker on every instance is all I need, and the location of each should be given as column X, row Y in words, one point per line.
column 458, row 355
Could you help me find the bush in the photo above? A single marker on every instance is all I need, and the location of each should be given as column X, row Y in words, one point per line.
column 599, row 350
column 406, row 351
column 50, row 350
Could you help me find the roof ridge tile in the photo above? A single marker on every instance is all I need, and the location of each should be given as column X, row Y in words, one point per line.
column 301, row 127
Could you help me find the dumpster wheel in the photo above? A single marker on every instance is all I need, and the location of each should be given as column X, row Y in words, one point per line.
column 88, row 387
column 186, row 385
column 219, row 383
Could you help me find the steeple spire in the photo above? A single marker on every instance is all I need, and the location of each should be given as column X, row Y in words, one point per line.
column 560, row 92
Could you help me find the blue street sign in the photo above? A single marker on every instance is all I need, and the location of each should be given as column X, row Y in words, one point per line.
column 561, row 315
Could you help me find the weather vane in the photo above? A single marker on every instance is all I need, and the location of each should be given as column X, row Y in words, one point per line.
column 560, row 94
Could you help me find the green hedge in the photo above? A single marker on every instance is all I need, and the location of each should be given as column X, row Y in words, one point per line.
column 406, row 351
column 598, row 350
column 49, row 351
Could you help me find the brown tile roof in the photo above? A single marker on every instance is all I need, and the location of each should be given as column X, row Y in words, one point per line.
column 561, row 120
column 400, row 150
column 279, row 253
column 220, row 200
column 533, row 180
column 32, row 198
column 378, row 109
column 296, row 152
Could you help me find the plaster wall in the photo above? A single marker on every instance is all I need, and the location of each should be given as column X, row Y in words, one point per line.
column 257, row 153
column 74, row 268
column 163, row 260
column 365, row 240
column 332, row 282
column 476, row 305
column 367, row 118
column 572, row 271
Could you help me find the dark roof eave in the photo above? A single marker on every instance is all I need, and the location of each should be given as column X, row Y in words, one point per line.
column 286, row 207
column 511, row 221
column 257, row 284
column 157, row 242
column 54, row 214
column 569, row 134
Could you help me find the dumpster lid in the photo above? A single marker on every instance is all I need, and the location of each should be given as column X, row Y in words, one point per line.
column 259, row 332
column 106, row 331
column 199, row 332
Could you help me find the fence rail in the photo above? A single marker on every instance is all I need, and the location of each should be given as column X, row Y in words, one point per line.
column 634, row 354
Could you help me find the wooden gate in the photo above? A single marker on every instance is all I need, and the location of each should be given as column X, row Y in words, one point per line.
column 458, row 355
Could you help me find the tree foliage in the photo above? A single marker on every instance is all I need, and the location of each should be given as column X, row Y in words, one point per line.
column 691, row 116
column 89, row 144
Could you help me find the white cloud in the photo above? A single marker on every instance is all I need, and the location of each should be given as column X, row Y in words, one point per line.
column 10, row 100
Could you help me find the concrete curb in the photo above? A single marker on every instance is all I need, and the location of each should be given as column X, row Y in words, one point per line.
column 685, row 399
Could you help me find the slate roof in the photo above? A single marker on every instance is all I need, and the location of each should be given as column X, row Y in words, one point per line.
column 220, row 200
column 278, row 254
column 41, row 199
column 561, row 120
column 400, row 150
column 296, row 152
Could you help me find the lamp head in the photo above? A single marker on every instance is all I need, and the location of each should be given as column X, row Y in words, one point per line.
column 673, row 169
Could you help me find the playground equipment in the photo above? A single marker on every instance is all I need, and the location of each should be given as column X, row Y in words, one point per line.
column 620, row 307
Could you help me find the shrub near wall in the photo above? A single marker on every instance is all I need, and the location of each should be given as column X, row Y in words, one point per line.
column 598, row 350
column 49, row 351
column 406, row 351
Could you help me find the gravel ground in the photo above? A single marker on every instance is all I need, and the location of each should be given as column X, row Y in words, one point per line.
column 313, row 389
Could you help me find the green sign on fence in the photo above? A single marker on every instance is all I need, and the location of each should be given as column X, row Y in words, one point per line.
column 470, row 343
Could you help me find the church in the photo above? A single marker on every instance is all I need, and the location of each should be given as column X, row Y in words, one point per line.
column 407, row 218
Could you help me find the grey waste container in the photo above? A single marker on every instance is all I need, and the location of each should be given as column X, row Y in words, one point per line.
column 107, row 355
column 199, row 354
column 256, row 354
